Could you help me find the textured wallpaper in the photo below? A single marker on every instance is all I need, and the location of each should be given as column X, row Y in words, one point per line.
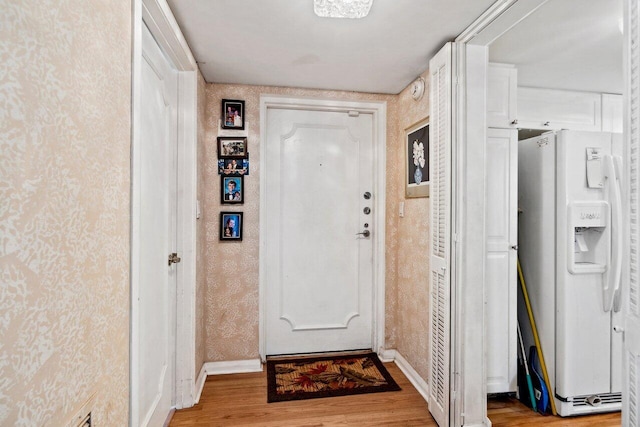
column 64, row 210
column 231, row 309
column 201, row 258
column 413, row 250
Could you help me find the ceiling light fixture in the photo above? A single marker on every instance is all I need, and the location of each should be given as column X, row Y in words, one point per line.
column 342, row 8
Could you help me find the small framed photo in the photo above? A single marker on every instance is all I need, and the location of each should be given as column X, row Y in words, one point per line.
column 417, row 160
column 233, row 167
column 232, row 114
column 230, row 226
column 231, row 189
column 230, row 147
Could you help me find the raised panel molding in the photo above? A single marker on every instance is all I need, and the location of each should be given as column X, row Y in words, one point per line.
column 502, row 91
column 318, row 326
column 559, row 109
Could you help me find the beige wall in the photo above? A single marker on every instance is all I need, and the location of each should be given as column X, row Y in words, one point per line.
column 64, row 210
column 231, row 309
column 413, row 252
column 201, row 247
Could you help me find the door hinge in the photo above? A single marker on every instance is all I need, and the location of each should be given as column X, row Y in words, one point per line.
column 174, row 258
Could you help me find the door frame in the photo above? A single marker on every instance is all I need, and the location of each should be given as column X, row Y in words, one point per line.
column 379, row 113
column 157, row 15
column 468, row 405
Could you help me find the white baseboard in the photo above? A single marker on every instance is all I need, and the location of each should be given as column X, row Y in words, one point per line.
column 221, row 368
column 411, row 374
column 233, row 367
column 202, row 377
column 387, row 355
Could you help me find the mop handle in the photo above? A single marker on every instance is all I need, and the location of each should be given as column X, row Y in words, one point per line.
column 524, row 356
column 532, row 396
column 534, row 329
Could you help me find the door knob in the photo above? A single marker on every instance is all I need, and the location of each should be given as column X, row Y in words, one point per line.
column 365, row 233
column 367, row 195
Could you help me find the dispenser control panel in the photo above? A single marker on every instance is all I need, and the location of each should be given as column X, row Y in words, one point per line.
column 589, row 215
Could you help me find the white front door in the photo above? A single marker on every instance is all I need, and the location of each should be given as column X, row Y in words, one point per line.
column 156, row 219
column 318, row 167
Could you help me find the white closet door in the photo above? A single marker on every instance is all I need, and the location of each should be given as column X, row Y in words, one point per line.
column 631, row 294
column 501, row 275
column 440, row 276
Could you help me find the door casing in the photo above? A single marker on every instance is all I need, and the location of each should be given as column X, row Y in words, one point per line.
column 379, row 113
column 468, row 406
column 157, row 15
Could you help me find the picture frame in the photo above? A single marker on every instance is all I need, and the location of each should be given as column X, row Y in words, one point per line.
column 233, row 167
column 417, row 159
column 230, row 147
column 231, row 226
column 232, row 114
column 231, row 190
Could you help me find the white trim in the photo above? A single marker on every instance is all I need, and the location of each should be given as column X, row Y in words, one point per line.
column 162, row 24
column 414, row 378
column 233, row 367
column 379, row 112
column 186, row 241
column 202, row 378
column 469, row 128
column 222, row 368
column 157, row 15
column 387, row 355
column 497, row 20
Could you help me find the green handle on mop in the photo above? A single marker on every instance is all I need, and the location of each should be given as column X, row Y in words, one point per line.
column 531, row 395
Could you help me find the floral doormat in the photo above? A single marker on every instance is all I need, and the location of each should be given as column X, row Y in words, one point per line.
column 326, row 376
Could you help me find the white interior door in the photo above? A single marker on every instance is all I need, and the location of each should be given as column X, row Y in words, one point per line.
column 319, row 269
column 156, row 300
column 440, row 247
column 501, row 280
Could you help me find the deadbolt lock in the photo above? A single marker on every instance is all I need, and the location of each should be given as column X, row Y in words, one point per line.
column 367, row 210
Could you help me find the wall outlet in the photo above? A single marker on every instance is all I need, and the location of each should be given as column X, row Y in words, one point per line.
column 401, row 210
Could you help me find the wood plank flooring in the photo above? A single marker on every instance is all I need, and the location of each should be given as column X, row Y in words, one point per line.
column 241, row 400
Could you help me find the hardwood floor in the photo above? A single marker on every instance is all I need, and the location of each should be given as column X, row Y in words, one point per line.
column 241, row 400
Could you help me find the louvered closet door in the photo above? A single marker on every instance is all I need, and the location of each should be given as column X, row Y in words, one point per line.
column 440, row 178
column 631, row 295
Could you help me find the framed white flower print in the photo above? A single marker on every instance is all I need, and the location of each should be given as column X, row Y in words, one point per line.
column 417, row 159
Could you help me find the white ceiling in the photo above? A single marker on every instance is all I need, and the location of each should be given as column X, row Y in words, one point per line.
column 283, row 43
column 567, row 44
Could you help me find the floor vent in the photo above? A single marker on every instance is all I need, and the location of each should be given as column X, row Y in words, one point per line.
column 602, row 399
column 86, row 421
column 83, row 418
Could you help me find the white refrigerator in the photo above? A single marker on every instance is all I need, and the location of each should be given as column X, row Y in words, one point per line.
column 571, row 251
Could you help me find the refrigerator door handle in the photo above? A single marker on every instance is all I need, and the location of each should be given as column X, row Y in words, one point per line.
column 612, row 280
column 617, row 163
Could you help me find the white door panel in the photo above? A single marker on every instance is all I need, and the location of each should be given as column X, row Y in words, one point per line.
column 501, row 281
column 157, row 234
column 440, row 247
column 319, row 288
